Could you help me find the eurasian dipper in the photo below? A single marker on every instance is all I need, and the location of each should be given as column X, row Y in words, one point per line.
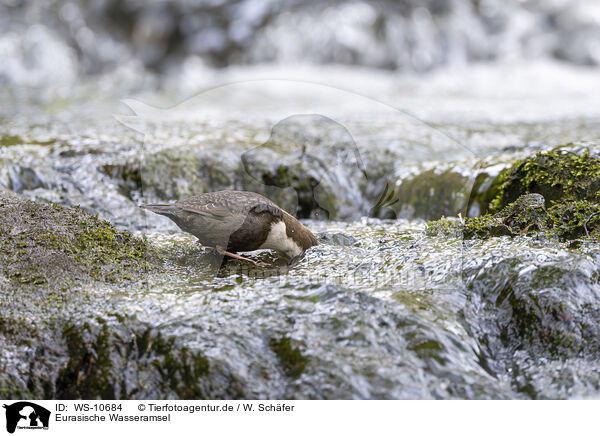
column 232, row 221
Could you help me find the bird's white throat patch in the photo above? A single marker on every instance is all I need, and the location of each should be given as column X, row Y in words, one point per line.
column 277, row 239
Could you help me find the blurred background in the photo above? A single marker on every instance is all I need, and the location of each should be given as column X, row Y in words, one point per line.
column 465, row 85
column 59, row 42
column 461, row 81
column 393, row 113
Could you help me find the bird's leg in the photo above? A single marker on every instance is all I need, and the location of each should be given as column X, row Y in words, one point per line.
column 224, row 252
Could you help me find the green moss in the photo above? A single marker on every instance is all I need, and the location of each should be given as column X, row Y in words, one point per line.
column 9, row 140
column 180, row 367
column 572, row 219
column 558, row 175
column 527, row 214
column 444, row 227
column 87, row 374
column 485, row 226
column 49, row 244
column 568, row 182
column 291, row 358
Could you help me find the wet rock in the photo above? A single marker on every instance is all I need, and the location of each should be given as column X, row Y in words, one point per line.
column 567, row 179
column 431, row 195
column 554, row 192
column 57, row 246
column 483, row 192
column 187, row 333
column 309, row 166
column 290, row 355
column 526, row 215
column 122, row 357
column 535, row 318
column 181, row 172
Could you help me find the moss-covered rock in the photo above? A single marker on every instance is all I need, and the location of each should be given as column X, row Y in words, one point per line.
column 486, row 226
column 10, row 140
column 526, row 215
column 527, row 211
column 48, row 244
column 558, row 175
column 568, row 181
column 444, row 227
column 290, row 356
column 479, row 227
column 431, row 194
column 556, row 191
column 101, row 351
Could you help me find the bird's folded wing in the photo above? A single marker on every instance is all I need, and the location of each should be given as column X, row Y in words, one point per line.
column 216, row 224
column 269, row 208
column 210, row 210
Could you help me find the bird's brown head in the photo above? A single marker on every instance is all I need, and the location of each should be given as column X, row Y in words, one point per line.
column 298, row 232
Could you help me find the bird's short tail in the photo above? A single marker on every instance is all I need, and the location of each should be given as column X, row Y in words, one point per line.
column 161, row 209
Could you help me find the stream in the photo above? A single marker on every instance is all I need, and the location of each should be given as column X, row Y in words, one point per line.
column 364, row 156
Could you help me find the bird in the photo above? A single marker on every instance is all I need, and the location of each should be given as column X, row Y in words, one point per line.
column 238, row 221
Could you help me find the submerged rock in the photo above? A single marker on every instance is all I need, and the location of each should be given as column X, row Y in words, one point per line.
column 535, row 314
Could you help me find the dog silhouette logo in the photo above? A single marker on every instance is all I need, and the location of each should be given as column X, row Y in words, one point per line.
column 26, row 415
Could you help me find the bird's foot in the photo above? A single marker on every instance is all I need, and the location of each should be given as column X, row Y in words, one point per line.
column 224, row 252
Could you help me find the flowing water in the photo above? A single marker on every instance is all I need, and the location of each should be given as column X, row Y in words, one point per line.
column 380, row 309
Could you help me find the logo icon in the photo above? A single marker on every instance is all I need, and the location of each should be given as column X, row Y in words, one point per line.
column 26, row 415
